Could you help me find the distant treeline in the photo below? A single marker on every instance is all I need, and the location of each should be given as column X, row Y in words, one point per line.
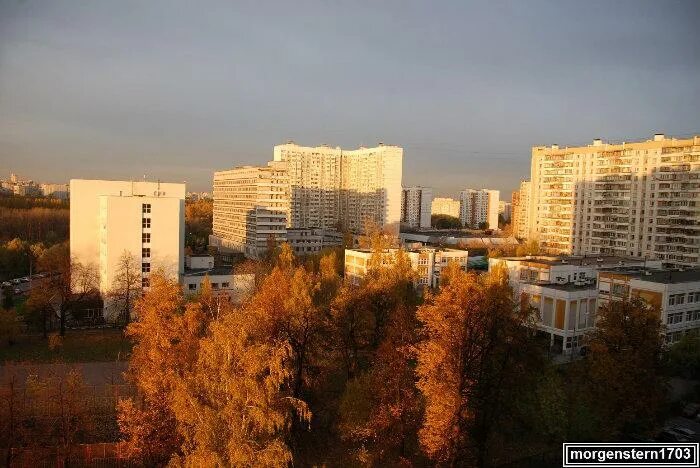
column 47, row 225
column 20, row 202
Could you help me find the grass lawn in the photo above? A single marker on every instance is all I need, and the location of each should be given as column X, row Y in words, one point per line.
column 78, row 346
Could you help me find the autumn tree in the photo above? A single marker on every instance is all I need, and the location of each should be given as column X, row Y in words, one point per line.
column 126, row 288
column 625, row 351
column 70, row 284
column 235, row 407
column 166, row 337
column 475, row 349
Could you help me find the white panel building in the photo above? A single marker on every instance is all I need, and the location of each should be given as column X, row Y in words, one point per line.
column 306, row 188
column 143, row 219
column 479, row 206
column 416, row 206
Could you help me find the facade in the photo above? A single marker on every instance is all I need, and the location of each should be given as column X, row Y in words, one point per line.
column 416, row 206
column 60, row 191
column 306, row 188
column 635, row 199
column 521, row 211
column 332, row 187
column 675, row 293
column 505, row 209
column 445, row 206
column 312, row 240
column 232, row 287
column 251, row 205
column 143, row 219
column 564, row 292
column 479, row 206
column 427, row 262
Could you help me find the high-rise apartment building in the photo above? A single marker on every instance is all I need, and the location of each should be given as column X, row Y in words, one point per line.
column 639, row 199
column 333, row 187
column 306, row 188
column 416, row 206
column 251, row 206
column 505, row 209
column 143, row 219
column 479, row 206
column 445, row 206
column 520, row 210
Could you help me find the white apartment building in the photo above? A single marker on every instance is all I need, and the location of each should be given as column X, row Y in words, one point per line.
column 505, row 209
column 416, row 206
column 306, row 188
column 332, row 187
column 520, row 211
column 479, row 206
column 445, row 206
column 632, row 198
column 143, row 219
column 251, row 205
column 60, row 191
column 427, row 262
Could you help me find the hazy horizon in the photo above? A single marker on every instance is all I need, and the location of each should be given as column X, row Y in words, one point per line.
column 176, row 91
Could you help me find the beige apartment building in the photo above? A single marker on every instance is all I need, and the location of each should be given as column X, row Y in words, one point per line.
column 520, row 210
column 305, row 189
column 479, row 206
column 143, row 219
column 416, row 206
column 251, row 206
column 445, row 206
column 632, row 199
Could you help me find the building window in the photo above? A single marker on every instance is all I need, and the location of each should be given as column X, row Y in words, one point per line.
column 146, row 252
column 215, row 285
column 225, row 284
column 192, row 286
column 145, row 282
column 146, row 237
column 674, row 318
column 146, row 208
column 146, row 223
column 145, row 268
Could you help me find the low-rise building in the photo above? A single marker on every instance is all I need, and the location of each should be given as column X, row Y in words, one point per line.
column 676, row 294
column 427, row 262
column 224, row 282
column 310, row 241
column 563, row 291
column 445, row 206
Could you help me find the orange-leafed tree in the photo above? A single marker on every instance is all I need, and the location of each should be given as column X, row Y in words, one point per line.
column 166, row 337
column 235, row 406
column 474, row 352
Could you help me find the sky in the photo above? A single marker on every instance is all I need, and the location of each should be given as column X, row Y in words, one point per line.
column 176, row 90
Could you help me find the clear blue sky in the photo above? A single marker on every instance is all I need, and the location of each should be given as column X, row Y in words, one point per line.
column 176, row 90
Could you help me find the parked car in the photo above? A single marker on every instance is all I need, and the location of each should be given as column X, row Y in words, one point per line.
column 6, row 284
column 670, row 435
column 18, row 291
column 16, row 281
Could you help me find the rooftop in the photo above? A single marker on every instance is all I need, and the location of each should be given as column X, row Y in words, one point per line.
column 565, row 287
column 667, row 276
column 208, row 271
column 577, row 260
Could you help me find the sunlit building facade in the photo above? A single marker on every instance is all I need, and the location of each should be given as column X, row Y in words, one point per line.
column 636, row 199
